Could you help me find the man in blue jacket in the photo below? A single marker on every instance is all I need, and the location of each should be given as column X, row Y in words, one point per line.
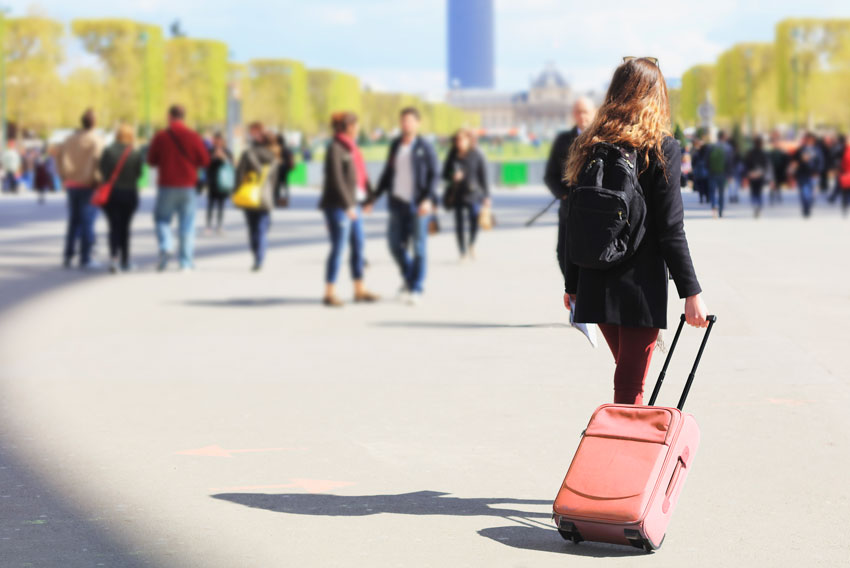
column 410, row 175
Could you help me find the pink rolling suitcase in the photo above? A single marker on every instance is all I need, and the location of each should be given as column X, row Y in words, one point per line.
column 629, row 469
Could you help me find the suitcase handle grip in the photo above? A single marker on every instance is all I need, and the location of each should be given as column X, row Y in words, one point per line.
column 674, row 483
column 711, row 321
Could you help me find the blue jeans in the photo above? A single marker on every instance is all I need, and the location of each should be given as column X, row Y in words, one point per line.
column 717, row 192
column 471, row 212
column 258, row 232
column 182, row 202
column 807, row 194
column 81, row 217
column 343, row 231
column 407, row 225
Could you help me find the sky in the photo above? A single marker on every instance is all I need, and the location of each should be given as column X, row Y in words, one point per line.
column 400, row 45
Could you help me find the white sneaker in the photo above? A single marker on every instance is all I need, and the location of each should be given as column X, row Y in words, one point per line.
column 403, row 295
column 415, row 299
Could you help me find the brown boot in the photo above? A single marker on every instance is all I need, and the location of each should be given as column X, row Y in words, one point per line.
column 333, row 302
column 366, row 297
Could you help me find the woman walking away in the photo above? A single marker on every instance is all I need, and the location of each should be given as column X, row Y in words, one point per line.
column 465, row 171
column 124, row 197
column 220, row 181
column 759, row 172
column 259, row 164
column 345, row 195
column 844, row 180
column 628, row 296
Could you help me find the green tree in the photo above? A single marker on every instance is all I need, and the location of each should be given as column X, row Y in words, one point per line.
column 33, row 52
column 813, row 75
column 697, row 82
column 332, row 91
column 85, row 86
column 745, row 84
column 133, row 55
column 275, row 92
column 196, row 76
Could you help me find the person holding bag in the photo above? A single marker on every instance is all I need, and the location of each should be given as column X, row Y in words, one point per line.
column 221, row 181
column 122, row 165
column 465, row 172
column 346, row 193
column 256, row 177
column 624, row 289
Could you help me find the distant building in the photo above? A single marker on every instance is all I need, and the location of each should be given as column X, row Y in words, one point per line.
column 543, row 111
column 471, row 44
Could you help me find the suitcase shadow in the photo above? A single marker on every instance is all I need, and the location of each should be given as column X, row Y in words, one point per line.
column 548, row 540
column 417, row 503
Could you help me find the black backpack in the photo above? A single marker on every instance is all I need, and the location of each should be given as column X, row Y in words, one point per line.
column 606, row 209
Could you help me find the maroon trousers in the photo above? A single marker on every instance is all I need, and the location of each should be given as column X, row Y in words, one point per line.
column 632, row 348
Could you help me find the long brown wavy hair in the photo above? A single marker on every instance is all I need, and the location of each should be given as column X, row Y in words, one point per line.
column 636, row 113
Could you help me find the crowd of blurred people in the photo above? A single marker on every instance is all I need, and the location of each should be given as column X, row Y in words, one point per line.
column 720, row 167
column 99, row 176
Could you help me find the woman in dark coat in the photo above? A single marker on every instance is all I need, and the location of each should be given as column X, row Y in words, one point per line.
column 759, row 172
column 262, row 159
column 124, row 198
column 346, row 194
column 465, row 172
column 629, row 300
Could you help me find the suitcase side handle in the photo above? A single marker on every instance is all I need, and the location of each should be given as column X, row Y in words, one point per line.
column 711, row 321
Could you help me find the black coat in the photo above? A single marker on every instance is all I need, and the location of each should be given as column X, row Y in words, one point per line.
column 426, row 172
column 557, row 163
column 473, row 189
column 634, row 293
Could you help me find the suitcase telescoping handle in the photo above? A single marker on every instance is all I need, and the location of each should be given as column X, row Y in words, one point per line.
column 711, row 321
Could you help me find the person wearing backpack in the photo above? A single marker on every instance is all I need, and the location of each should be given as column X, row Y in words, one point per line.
column 625, row 228
column 220, row 181
column 125, row 163
column 178, row 153
column 720, row 164
column 261, row 159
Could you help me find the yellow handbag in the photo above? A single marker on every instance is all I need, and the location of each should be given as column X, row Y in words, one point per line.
column 250, row 192
column 486, row 220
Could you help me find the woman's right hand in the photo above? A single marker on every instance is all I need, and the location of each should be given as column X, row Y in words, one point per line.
column 696, row 314
column 567, row 299
column 352, row 213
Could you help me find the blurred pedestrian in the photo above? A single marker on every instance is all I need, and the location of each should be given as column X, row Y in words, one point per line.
column 467, row 191
column 178, row 153
column 44, row 177
column 838, row 149
column 629, row 300
column 12, row 164
column 780, row 161
column 287, row 164
column 410, row 176
column 699, row 164
column 720, row 167
column 221, row 181
column 77, row 159
column 806, row 166
column 758, row 173
column 124, row 197
column 346, row 195
column 259, row 164
column 844, row 180
column 584, row 111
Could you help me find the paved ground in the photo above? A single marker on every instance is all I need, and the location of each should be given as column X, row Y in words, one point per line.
column 224, row 418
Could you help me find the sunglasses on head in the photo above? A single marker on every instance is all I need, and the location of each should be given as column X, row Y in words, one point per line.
column 653, row 60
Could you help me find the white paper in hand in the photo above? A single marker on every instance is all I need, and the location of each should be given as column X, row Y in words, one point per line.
column 588, row 329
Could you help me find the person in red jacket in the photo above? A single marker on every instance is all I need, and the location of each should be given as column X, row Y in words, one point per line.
column 178, row 153
column 844, row 180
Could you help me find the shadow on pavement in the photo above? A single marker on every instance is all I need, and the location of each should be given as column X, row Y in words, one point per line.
column 548, row 540
column 418, row 503
column 467, row 325
column 253, row 302
column 529, row 535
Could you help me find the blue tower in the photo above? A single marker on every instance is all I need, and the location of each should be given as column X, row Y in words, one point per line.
column 471, row 44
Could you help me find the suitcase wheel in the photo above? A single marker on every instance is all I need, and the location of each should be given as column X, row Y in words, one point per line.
column 637, row 541
column 568, row 531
